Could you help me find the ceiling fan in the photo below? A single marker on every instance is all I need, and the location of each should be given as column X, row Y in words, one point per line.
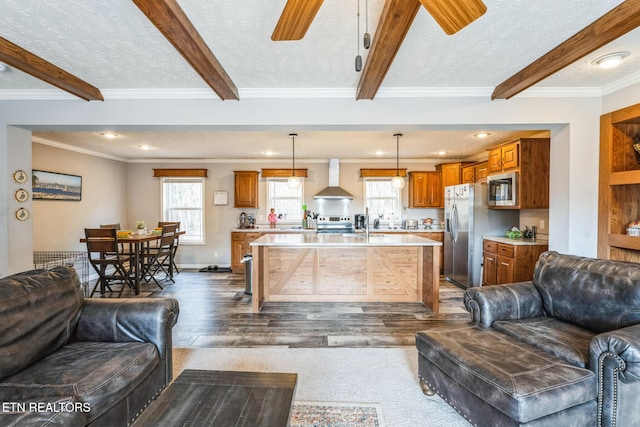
column 451, row 15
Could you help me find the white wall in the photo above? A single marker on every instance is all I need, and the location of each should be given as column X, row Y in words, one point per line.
column 58, row 225
column 574, row 123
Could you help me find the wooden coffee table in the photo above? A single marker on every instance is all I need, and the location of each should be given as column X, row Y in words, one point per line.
column 223, row 398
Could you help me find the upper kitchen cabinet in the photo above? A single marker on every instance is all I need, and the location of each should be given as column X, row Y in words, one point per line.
column 504, row 158
column 246, row 189
column 451, row 175
column 476, row 172
column 425, row 190
column 529, row 158
column 619, row 185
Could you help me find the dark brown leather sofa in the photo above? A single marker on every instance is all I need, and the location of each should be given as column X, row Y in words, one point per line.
column 561, row 350
column 67, row 361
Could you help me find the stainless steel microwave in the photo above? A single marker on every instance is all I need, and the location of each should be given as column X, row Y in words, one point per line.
column 503, row 189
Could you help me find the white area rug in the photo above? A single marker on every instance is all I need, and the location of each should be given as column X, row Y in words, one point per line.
column 386, row 376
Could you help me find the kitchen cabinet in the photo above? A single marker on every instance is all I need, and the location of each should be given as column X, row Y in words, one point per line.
column 425, row 190
column 509, row 263
column 619, row 186
column 476, row 172
column 240, row 246
column 246, row 189
column 530, row 159
column 504, row 158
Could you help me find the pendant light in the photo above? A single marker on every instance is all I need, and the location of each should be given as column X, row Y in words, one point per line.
column 397, row 181
column 293, row 181
column 358, row 57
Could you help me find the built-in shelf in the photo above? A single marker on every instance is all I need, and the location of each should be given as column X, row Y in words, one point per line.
column 624, row 241
column 624, row 178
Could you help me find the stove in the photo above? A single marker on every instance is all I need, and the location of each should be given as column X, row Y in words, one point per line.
column 335, row 224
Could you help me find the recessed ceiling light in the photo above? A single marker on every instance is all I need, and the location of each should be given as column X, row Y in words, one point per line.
column 109, row 135
column 441, row 153
column 482, row 134
column 610, row 60
column 144, row 147
column 379, row 153
column 268, row 153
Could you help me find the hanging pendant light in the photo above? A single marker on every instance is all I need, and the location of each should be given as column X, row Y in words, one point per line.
column 358, row 57
column 293, row 181
column 397, row 181
column 366, row 41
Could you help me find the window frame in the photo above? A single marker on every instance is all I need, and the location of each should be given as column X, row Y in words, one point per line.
column 270, row 200
column 184, row 239
column 398, row 199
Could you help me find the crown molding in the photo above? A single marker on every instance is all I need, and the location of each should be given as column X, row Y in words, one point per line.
column 316, row 93
column 68, row 147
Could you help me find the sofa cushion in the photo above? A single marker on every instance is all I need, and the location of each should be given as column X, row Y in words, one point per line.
column 39, row 310
column 564, row 340
column 95, row 373
column 595, row 294
column 519, row 380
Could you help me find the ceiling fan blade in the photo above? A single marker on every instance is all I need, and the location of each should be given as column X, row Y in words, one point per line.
column 454, row 15
column 295, row 19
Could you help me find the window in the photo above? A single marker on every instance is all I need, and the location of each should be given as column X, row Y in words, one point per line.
column 286, row 201
column 381, row 198
column 183, row 201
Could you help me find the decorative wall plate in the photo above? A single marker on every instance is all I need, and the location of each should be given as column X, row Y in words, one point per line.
column 22, row 214
column 20, row 176
column 21, row 195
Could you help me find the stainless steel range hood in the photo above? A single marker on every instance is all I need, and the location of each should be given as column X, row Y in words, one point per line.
column 334, row 191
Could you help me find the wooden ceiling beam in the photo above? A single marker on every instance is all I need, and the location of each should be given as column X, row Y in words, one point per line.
column 173, row 23
column 295, row 20
column 619, row 21
column 25, row 61
column 395, row 21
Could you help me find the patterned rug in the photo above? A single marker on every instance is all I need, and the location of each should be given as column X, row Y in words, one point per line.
column 332, row 414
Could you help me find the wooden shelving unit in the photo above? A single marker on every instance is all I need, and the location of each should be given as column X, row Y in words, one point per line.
column 619, row 189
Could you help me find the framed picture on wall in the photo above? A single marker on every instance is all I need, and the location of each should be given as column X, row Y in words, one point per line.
column 56, row 186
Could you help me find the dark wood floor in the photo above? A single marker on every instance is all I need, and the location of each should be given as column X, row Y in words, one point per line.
column 215, row 312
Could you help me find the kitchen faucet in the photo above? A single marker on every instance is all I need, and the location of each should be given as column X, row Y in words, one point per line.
column 366, row 223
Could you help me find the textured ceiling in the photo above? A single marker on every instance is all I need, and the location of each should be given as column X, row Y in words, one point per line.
column 111, row 45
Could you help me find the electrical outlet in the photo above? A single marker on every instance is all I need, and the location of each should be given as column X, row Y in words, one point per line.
column 215, row 254
column 542, row 224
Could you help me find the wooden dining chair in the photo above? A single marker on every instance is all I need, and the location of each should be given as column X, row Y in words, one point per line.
column 175, row 243
column 160, row 258
column 107, row 260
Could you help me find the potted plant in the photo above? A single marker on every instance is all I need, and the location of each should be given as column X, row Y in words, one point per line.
column 142, row 228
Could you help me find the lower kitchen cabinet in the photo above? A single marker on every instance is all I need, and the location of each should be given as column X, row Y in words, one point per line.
column 509, row 263
column 239, row 247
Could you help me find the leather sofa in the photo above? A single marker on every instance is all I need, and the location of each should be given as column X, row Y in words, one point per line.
column 560, row 350
column 70, row 361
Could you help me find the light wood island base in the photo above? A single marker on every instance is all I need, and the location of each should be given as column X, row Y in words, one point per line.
column 348, row 271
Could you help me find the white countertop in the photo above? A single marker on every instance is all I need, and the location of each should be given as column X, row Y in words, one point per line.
column 375, row 239
column 524, row 242
column 402, row 230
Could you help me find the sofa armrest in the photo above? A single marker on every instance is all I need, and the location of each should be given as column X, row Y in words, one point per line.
column 503, row 302
column 615, row 358
column 129, row 320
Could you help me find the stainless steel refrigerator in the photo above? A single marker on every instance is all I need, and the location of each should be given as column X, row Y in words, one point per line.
column 467, row 221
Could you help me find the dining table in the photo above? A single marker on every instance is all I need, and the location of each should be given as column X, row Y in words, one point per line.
column 136, row 242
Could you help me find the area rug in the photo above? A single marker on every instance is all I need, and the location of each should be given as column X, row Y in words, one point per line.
column 384, row 376
column 334, row 414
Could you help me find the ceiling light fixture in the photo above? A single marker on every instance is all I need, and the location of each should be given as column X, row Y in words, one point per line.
column 144, row 147
column 610, row 60
column 397, row 181
column 358, row 57
column 293, row 181
column 268, row 153
column 379, row 153
column 482, row 134
column 441, row 153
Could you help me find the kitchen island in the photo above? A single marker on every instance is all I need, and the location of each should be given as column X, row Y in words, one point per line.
column 345, row 268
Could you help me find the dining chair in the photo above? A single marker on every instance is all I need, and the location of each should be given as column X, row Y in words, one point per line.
column 156, row 259
column 175, row 243
column 107, row 260
column 116, row 225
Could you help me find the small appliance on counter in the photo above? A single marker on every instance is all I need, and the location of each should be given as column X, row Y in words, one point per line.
column 246, row 221
column 360, row 221
column 410, row 224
